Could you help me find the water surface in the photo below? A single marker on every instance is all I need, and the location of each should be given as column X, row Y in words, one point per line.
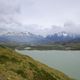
column 65, row 61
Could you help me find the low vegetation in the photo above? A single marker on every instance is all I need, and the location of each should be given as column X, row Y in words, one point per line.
column 56, row 46
column 14, row 66
column 48, row 46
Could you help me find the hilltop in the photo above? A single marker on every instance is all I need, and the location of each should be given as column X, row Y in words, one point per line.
column 14, row 66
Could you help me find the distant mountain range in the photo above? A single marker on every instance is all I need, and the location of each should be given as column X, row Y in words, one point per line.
column 20, row 37
column 62, row 37
column 27, row 37
column 13, row 31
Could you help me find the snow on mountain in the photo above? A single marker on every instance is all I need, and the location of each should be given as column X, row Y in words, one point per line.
column 62, row 34
column 61, row 37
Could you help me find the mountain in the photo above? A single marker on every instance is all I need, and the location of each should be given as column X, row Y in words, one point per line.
column 12, row 31
column 27, row 37
column 14, row 66
column 20, row 37
column 61, row 37
column 20, row 40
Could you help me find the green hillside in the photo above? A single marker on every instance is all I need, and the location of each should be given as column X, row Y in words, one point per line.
column 14, row 66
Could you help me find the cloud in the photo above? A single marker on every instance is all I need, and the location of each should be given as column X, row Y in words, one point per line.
column 14, row 26
column 11, row 7
column 8, row 7
column 71, row 27
column 33, row 15
column 2, row 30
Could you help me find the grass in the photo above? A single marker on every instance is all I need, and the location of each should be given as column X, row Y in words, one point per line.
column 14, row 66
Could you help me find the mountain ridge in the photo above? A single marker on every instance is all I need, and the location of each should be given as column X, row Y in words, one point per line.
column 61, row 40
column 56, row 37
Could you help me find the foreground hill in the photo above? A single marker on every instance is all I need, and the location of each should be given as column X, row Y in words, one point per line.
column 14, row 66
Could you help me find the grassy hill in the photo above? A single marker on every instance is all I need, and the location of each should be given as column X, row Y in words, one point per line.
column 14, row 66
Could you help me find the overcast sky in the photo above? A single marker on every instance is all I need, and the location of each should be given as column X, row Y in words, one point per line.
column 41, row 16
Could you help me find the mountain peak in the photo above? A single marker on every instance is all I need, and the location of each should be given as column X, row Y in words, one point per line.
column 63, row 33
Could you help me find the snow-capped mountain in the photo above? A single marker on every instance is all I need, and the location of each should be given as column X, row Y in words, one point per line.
column 27, row 37
column 62, row 37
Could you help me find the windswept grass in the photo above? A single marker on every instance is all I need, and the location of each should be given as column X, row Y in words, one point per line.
column 14, row 66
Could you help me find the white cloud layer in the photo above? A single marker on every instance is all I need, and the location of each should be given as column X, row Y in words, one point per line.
column 40, row 16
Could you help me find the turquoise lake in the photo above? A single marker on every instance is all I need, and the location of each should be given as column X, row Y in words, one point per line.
column 66, row 61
